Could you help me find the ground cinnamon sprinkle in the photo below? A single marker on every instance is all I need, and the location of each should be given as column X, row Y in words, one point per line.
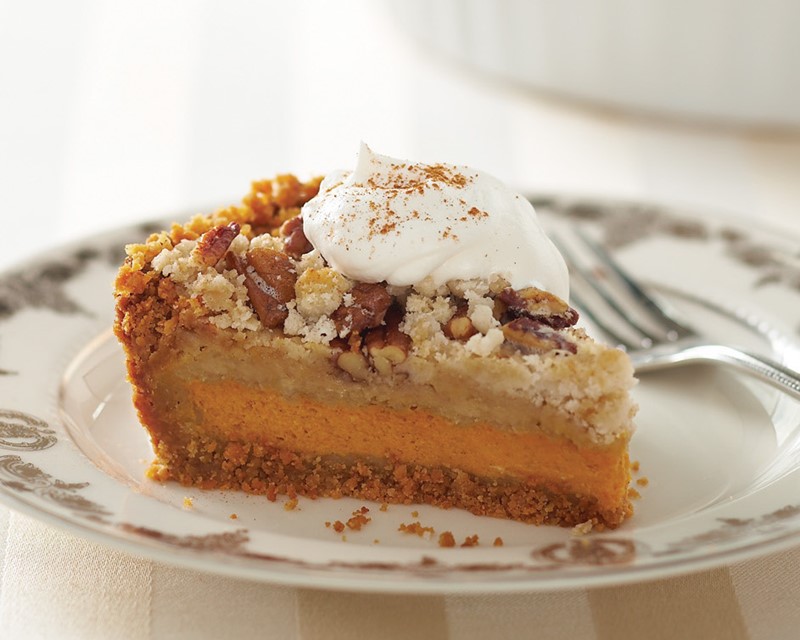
column 442, row 173
column 470, row 541
column 415, row 528
column 446, row 539
column 414, row 177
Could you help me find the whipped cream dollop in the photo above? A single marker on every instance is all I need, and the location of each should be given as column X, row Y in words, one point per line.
column 402, row 222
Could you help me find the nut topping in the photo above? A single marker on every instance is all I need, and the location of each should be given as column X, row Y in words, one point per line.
column 538, row 305
column 459, row 327
column 269, row 277
column 214, row 243
column 387, row 345
column 354, row 363
column 529, row 336
column 368, row 308
column 295, row 242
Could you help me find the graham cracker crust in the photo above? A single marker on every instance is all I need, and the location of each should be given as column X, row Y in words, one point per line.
column 271, row 471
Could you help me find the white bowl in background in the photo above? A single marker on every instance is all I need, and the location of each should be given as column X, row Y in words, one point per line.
column 735, row 61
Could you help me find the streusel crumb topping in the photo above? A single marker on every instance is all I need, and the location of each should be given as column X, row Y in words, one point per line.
column 319, row 291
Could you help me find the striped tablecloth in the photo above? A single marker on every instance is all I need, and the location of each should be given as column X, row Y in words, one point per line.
column 113, row 112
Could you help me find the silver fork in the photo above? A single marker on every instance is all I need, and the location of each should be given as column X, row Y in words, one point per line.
column 649, row 330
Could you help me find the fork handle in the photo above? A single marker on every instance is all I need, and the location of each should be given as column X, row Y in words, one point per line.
column 753, row 364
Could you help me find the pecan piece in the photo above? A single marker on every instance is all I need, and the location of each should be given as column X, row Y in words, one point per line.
column 538, row 305
column 295, row 242
column 370, row 302
column 214, row 243
column 529, row 336
column 386, row 345
column 459, row 327
column 354, row 363
column 269, row 277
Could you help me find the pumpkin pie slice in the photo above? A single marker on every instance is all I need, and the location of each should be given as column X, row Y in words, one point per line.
column 260, row 361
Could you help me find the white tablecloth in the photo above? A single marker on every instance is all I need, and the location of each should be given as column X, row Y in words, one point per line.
column 114, row 112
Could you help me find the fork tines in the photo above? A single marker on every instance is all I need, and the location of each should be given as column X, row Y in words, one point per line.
column 612, row 299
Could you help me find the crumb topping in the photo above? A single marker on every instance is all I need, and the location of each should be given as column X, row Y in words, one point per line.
column 320, row 291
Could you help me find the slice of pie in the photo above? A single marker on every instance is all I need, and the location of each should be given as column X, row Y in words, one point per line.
column 398, row 334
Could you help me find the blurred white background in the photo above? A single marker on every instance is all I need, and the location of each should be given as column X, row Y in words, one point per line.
column 119, row 111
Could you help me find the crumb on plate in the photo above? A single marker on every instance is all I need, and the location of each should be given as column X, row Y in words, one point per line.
column 470, row 541
column 416, row 528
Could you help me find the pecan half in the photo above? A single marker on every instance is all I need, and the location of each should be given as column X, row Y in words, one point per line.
column 386, row 345
column 529, row 336
column 538, row 305
column 295, row 242
column 370, row 302
column 214, row 243
column 269, row 277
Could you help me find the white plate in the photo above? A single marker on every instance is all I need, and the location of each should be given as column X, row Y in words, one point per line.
column 722, row 453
